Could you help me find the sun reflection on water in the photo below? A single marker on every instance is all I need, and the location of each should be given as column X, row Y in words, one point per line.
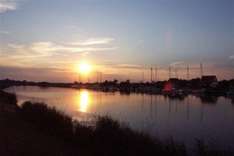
column 84, row 99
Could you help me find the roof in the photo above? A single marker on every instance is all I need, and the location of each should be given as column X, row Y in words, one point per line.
column 209, row 78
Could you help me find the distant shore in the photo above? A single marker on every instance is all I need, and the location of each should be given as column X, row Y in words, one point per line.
column 173, row 88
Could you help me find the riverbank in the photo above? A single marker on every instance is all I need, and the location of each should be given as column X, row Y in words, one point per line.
column 35, row 129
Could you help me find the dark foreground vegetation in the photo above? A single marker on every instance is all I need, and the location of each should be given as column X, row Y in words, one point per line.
column 35, row 129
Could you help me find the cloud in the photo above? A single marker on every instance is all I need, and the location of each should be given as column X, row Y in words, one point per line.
column 4, row 32
column 45, row 49
column 177, row 63
column 129, row 66
column 94, row 41
column 231, row 57
column 122, row 66
column 49, row 54
column 8, row 5
column 40, row 49
column 28, row 73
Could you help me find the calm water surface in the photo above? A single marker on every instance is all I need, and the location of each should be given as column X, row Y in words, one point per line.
column 185, row 120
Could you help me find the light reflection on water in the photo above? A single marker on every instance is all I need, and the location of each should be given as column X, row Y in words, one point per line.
column 84, row 101
column 210, row 118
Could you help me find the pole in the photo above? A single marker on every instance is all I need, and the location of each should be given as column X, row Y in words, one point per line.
column 100, row 77
column 188, row 72
column 201, row 68
column 151, row 74
column 169, row 72
column 176, row 73
column 156, row 74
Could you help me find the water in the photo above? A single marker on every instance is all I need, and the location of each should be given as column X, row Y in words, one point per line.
column 211, row 120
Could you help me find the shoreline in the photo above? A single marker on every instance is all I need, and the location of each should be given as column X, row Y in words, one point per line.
column 177, row 87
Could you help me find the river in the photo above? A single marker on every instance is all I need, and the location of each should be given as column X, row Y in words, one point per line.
column 185, row 120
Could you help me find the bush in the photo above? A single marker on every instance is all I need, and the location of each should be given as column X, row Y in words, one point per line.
column 7, row 98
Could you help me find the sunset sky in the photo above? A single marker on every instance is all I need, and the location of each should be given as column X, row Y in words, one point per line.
column 44, row 40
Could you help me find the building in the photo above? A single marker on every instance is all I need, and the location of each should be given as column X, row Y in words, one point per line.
column 209, row 81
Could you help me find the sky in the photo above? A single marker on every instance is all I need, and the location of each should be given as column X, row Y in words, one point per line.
column 44, row 40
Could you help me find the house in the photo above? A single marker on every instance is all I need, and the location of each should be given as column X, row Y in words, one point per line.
column 209, row 81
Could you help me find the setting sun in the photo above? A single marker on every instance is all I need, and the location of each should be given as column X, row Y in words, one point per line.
column 84, row 68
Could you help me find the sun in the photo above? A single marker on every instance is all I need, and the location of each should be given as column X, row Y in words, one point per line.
column 84, row 68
